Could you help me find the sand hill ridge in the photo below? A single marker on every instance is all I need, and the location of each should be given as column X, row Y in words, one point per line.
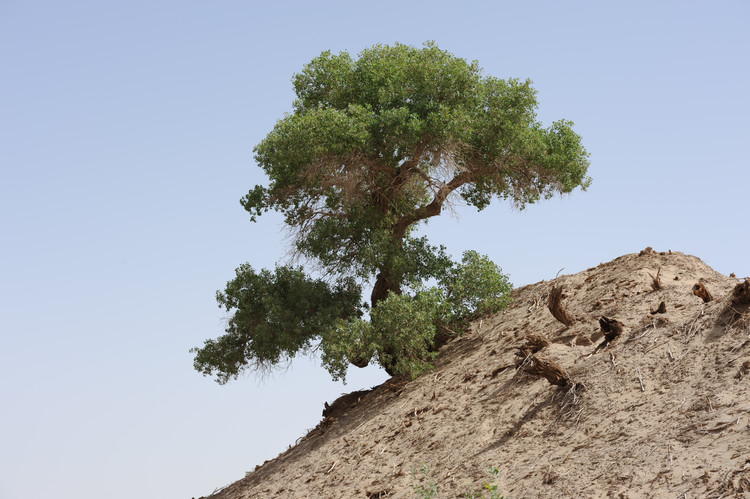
column 646, row 393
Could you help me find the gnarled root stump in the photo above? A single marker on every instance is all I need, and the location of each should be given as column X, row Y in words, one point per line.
column 547, row 369
column 739, row 307
column 612, row 329
column 554, row 303
column 534, row 343
column 700, row 291
column 660, row 310
column 741, row 293
column 656, row 281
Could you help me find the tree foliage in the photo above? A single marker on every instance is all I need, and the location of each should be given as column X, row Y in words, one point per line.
column 375, row 146
column 404, row 331
column 274, row 316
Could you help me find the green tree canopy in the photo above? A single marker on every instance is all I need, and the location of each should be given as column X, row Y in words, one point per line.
column 375, row 146
column 378, row 144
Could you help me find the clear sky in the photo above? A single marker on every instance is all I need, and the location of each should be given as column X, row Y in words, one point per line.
column 126, row 136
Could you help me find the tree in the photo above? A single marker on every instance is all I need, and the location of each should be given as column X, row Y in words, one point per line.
column 377, row 145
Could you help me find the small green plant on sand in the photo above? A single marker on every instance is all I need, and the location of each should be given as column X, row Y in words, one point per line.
column 428, row 489
column 489, row 490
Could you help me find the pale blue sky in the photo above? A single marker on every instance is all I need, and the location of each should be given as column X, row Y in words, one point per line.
column 126, row 136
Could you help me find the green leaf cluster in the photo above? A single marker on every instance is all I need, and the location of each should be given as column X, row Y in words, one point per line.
column 476, row 287
column 274, row 316
column 400, row 336
column 405, row 331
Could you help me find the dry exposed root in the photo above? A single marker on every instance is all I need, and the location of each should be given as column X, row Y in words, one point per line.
column 612, row 329
column 656, row 281
column 554, row 303
column 534, row 343
column 741, row 294
column 699, row 290
column 547, row 369
column 660, row 310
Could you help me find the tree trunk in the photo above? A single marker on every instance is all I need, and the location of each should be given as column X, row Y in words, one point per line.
column 384, row 282
column 383, row 285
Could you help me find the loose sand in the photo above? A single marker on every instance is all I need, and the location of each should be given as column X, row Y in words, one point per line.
column 661, row 411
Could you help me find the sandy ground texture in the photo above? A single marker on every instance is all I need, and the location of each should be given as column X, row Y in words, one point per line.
column 647, row 401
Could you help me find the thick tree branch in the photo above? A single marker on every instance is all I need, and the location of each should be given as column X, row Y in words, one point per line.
column 434, row 207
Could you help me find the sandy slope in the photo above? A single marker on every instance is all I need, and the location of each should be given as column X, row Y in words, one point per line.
column 664, row 411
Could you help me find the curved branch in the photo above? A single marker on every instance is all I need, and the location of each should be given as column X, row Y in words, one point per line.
column 434, row 207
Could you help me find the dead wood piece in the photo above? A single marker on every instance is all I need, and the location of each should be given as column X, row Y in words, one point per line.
column 612, row 328
column 547, row 369
column 741, row 293
column 699, row 290
column 660, row 310
column 656, row 281
column 554, row 303
column 533, row 344
column 536, row 342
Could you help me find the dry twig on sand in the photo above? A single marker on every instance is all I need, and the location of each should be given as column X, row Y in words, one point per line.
column 640, row 378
